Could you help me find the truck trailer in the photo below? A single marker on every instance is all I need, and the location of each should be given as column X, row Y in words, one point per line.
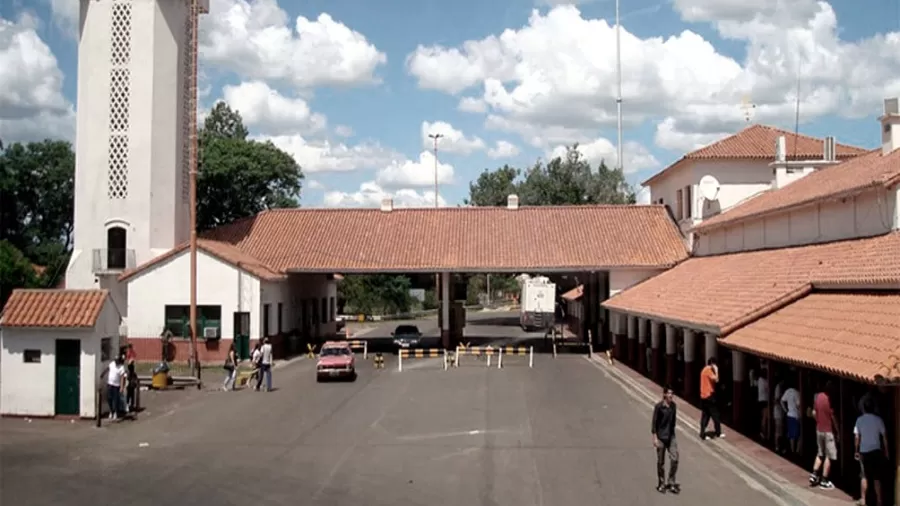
column 537, row 304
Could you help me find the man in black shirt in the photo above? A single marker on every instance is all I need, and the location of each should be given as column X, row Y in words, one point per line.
column 663, row 429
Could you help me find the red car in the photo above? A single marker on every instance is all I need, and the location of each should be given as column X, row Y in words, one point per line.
column 336, row 360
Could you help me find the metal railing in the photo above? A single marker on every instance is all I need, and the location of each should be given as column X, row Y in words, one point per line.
column 113, row 260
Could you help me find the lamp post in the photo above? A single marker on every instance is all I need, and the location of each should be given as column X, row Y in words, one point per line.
column 619, row 85
column 437, row 275
column 195, row 13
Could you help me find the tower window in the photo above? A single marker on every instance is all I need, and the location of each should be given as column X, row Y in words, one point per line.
column 116, row 243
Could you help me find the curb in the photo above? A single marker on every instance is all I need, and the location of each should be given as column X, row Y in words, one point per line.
column 753, row 472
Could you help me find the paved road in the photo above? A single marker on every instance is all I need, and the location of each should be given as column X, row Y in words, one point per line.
column 559, row 434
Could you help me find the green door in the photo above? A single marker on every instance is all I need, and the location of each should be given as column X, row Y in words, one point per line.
column 242, row 335
column 68, row 376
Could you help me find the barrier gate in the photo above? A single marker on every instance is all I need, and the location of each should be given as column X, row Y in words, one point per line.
column 490, row 351
column 421, row 353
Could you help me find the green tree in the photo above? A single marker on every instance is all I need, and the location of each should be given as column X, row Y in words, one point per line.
column 493, row 187
column 15, row 271
column 376, row 293
column 240, row 177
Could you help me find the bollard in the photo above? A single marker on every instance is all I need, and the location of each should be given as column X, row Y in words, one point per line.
column 400, row 360
column 489, row 361
column 99, row 406
column 365, row 350
column 445, row 360
column 531, row 357
column 554, row 349
column 500, row 359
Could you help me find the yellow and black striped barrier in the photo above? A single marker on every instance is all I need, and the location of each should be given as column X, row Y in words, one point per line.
column 310, row 351
column 378, row 361
column 421, row 353
column 357, row 345
column 520, row 351
column 475, row 351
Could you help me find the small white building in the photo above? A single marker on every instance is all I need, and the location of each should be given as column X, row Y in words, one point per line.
column 54, row 345
column 239, row 299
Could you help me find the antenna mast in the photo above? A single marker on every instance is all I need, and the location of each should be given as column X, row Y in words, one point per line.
column 619, row 86
column 797, row 111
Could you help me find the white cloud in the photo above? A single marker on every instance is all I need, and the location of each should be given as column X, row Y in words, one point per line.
column 681, row 81
column 636, row 156
column 66, row 16
column 642, row 196
column 343, row 131
column 452, row 140
column 503, row 149
column 471, row 104
column 324, row 156
column 267, row 111
column 313, row 184
column 32, row 106
column 370, row 194
column 255, row 39
column 414, row 173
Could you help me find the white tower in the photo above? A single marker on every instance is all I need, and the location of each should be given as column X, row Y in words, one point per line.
column 131, row 151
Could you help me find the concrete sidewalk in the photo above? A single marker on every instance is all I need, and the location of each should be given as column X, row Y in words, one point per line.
column 784, row 478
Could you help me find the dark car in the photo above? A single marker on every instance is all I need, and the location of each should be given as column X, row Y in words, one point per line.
column 406, row 336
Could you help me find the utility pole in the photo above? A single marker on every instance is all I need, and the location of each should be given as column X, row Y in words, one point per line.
column 193, row 161
column 437, row 275
column 619, row 79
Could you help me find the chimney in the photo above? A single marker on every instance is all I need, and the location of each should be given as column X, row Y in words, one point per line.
column 780, row 149
column 512, row 202
column 890, row 126
column 387, row 204
column 830, row 154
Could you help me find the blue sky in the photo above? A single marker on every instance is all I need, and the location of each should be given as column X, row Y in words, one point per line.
column 547, row 82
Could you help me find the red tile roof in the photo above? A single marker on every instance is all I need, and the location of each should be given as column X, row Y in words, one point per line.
column 722, row 293
column 575, row 293
column 847, row 334
column 223, row 251
column 852, row 177
column 53, row 308
column 458, row 239
column 757, row 142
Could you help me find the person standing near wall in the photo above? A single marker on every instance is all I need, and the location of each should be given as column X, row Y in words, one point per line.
column 826, row 438
column 709, row 381
column 871, row 451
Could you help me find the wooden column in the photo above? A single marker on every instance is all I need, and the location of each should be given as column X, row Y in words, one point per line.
column 738, row 375
column 642, row 344
column 770, row 377
column 656, row 336
column 632, row 340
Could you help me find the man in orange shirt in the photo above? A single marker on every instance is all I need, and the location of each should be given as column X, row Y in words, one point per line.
column 709, row 379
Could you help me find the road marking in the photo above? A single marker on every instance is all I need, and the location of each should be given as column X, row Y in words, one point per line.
column 460, row 453
column 439, row 435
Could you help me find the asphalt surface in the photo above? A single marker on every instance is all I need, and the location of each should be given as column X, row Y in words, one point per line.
column 561, row 433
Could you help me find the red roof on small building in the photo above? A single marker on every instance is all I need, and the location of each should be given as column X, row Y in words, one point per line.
column 574, row 294
column 53, row 308
column 223, row 251
column 872, row 170
column 757, row 142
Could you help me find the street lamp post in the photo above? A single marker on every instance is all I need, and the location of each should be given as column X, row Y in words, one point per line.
column 437, row 275
column 619, row 85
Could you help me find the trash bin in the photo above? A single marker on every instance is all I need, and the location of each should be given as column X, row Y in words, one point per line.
column 160, row 376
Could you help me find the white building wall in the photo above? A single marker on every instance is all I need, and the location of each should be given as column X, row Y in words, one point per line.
column 273, row 294
column 130, row 126
column 29, row 389
column 168, row 283
column 621, row 279
column 869, row 214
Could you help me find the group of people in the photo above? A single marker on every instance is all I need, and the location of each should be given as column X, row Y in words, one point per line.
column 261, row 361
column 870, row 436
column 122, row 383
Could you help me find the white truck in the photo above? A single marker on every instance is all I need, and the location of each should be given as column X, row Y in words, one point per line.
column 537, row 304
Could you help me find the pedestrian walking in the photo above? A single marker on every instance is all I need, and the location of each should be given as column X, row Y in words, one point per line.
column 131, row 377
column 709, row 381
column 665, row 414
column 762, row 403
column 255, row 357
column 790, row 402
column 826, row 438
column 871, row 451
column 265, row 365
column 230, row 369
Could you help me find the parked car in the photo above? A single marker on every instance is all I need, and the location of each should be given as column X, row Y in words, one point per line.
column 336, row 361
column 406, row 336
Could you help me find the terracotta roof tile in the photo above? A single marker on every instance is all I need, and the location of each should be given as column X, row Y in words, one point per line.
column 757, row 142
column 223, row 251
column 851, row 177
column 460, row 239
column 53, row 308
column 724, row 292
column 842, row 333
column 575, row 293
